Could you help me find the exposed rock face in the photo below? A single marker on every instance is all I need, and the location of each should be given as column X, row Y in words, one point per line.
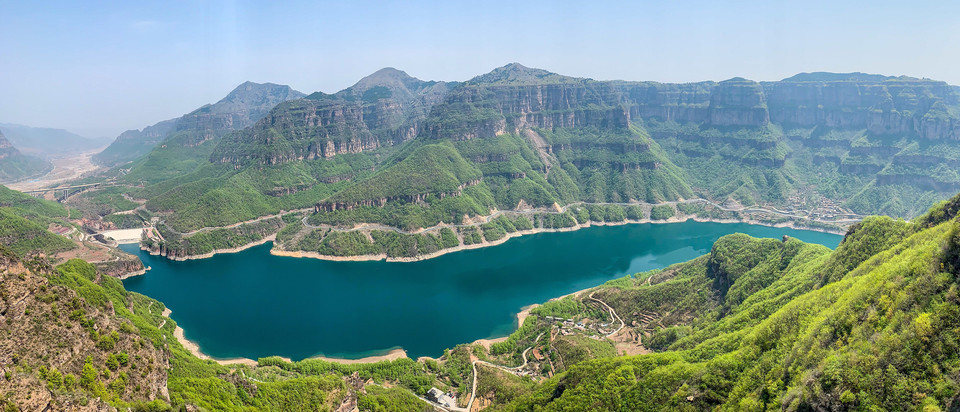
column 383, row 109
column 738, row 102
column 891, row 106
column 120, row 268
column 241, row 108
column 51, row 326
column 919, row 181
column 490, row 110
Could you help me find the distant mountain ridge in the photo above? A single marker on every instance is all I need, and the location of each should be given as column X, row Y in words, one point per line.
column 47, row 142
column 383, row 109
column 15, row 166
column 836, row 142
column 243, row 106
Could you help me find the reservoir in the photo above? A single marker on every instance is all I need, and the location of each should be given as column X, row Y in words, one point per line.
column 253, row 304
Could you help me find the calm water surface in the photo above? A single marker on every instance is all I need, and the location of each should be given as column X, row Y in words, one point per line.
column 253, row 304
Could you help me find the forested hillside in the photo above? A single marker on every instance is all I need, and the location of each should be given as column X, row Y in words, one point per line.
column 755, row 324
column 812, row 149
column 769, row 324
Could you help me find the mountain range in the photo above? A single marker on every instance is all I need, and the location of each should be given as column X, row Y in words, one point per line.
column 870, row 143
column 755, row 324
column 16, row 166
column 243, row 106
column 47, row 142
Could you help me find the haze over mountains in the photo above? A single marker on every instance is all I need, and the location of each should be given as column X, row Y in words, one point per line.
column 14, row 165
column 243, row 106
column 873, row 143
column 47, row 142
column 26, row 150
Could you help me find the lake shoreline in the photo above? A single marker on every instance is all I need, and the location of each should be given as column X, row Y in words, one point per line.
column 793, row 223
column 638, row 244
column 392, row 355
column 214, row 252
column 383, row 257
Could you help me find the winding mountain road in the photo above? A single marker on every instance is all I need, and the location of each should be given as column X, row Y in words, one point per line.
column 513, row 369
column 563, row 209
column 613, row 314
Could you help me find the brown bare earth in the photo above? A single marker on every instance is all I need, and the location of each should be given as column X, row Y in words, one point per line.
column 64, row 168
column 629, row 342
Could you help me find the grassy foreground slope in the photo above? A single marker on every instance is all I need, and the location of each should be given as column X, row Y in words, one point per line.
column 763, row 324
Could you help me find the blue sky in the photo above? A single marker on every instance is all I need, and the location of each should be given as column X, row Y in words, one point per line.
column 98, row 68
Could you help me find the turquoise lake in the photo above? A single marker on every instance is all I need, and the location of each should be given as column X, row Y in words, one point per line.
column 252, row 304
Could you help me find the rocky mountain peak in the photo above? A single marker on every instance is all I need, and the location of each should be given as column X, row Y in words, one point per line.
column 836, row 77
column 518, row 74
column 387, row 76
column 256, row 93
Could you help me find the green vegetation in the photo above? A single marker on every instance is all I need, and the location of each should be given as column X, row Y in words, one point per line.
column 102, row 202
column 431, row 169
column 23, row 236
column 174, row 244
column 389, row 243
column 24, row 221
column 125, row 221
column 662, row 212
column 866, row 326
column 30, row 207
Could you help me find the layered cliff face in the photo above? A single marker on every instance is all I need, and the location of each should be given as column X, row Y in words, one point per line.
column 479, row 110
column 891, row 106
column 872, row 143
column 383, row 109
column 738, row 102
column 15, row 166
column 241, row 108
column 861, row 123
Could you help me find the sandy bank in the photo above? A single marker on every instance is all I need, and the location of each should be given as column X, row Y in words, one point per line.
column 134, row 273
column 521, row 317
column 192, row 346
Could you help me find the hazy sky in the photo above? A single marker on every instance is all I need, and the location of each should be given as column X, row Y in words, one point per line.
column 98, row 68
